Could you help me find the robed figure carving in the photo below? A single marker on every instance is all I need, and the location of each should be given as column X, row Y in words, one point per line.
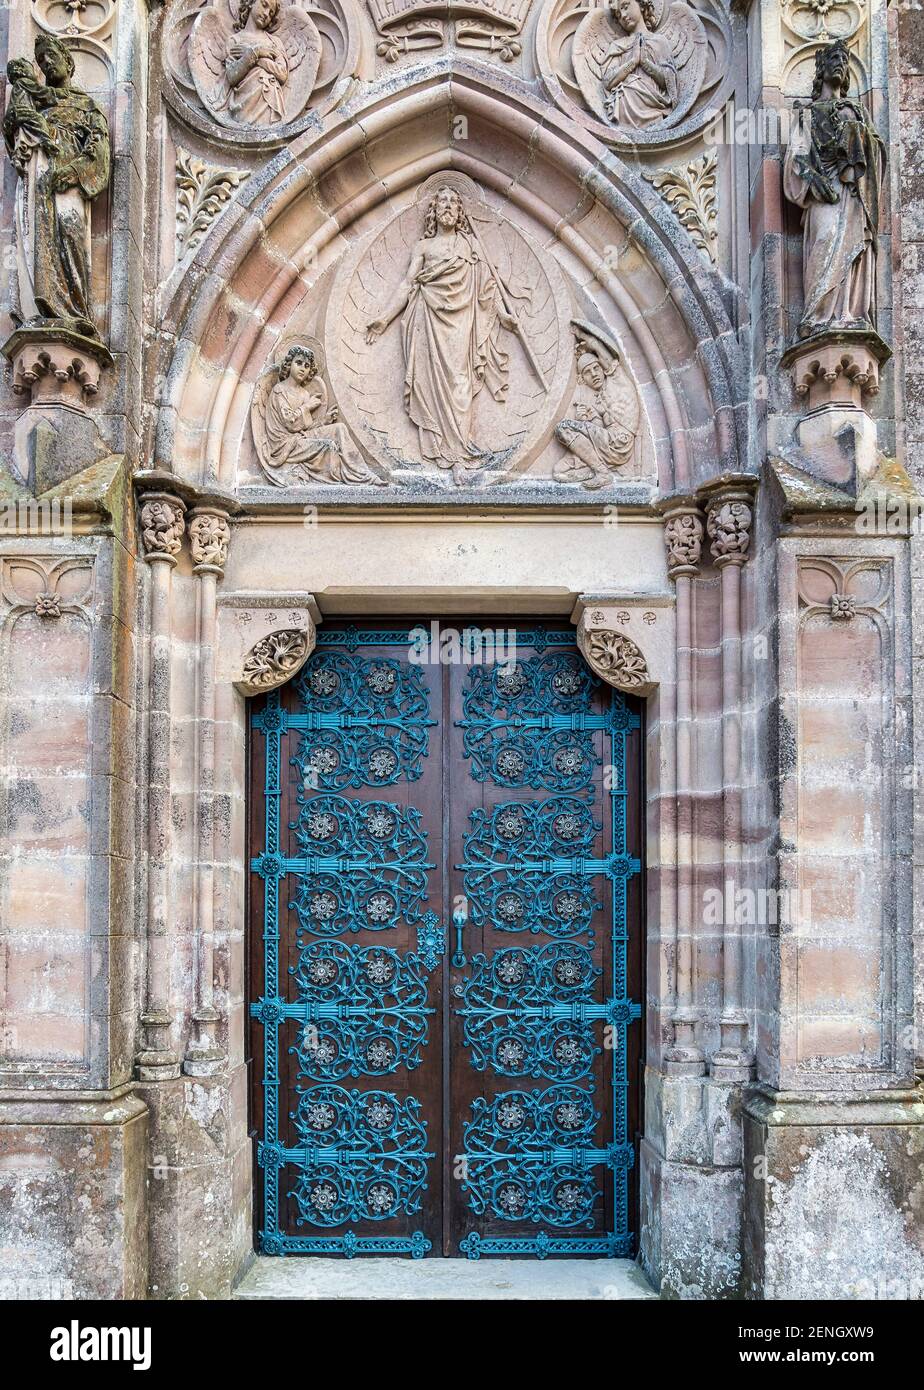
column 453, row 310
column 257, row 68
column 58, row 140
column 833, row 170
column 640, row 62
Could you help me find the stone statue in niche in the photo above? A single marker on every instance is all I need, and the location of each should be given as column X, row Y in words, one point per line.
column 254, row 62
column 834, row 168
column 640, row 63
column 453, row 305
column 57, row 138
column 299, row 436
column 600, row 435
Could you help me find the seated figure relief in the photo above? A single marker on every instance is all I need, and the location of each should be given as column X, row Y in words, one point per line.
column 600, row 434
column 254, row 63
column 299, row 437
column 640, row 63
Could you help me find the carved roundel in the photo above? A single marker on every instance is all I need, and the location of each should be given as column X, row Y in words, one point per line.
column 449, row 342
column 636, row 72
column 258, row 71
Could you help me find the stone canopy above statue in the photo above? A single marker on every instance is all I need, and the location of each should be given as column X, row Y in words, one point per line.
column 447, row 355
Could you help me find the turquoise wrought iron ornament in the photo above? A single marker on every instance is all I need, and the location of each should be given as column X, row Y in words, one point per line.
column 364, row 1009
column 531, row 1156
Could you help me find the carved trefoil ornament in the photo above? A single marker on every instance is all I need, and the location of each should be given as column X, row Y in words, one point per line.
column 297, row 430
column 690, row 193
column 275, row 659
column 636, row 71
column 601, row 428
column 250, row 69
column 202, row 192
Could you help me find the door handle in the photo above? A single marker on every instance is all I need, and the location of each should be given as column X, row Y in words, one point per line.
column 459, row 917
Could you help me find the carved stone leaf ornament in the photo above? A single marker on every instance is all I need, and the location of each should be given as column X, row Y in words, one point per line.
column 690, row 192
column 274, row 659
column 683, row 537
column 202, row 191
column 209, row 538
column 162, row 526
column 616, row 658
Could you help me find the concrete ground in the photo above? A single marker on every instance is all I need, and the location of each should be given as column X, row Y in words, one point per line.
column 387, row 1278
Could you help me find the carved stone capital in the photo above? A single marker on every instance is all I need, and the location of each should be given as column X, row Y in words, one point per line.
column 56, row 367
column 209, row 538
column 683, row 538
column 162, row 526
column 275, row 659
column 728, row 524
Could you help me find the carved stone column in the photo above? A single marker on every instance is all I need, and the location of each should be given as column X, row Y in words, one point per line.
column 162, row 525
column 209, row 538
column 729, row 528
column 683, row 537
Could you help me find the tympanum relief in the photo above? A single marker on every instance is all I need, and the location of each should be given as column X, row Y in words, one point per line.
column 638, row 70
column 253, row 68
column 442, row 353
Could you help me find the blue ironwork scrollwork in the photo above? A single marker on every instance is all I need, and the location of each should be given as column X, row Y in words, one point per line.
column 531, row 1156
column 365, row 721
column 363, row 1156
column 364, row 866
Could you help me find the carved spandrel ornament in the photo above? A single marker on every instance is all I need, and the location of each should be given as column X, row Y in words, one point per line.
column 834, row 169
column 298, row 433
column 57, row 139
column 616, row 659
column 411, row 26
column 690, row 193
column 600, row 431
column 254, row 69
column 451, row 311
column 639, row 71
column 274, row 659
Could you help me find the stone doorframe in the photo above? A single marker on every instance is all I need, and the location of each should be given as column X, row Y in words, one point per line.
column 191, row 1064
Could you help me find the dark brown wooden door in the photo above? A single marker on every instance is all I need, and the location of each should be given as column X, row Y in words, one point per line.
column 445, row 964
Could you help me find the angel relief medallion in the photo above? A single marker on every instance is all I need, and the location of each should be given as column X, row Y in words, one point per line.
column 447, row 332
column 638, row 67
column 258, row 65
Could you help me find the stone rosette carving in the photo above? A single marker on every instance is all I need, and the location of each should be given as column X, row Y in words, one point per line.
column 683, row 537
column 601, row 428
column 690, row 193
column 807, row 25
column 729, row 528
column 841, row 588
column 253, row 71
column 480, row 389
column 616, row 659
column 297, row 430
column 202, row 192
column 162, row 526
column 274, row 659
column 209, row 538
column 636, row 71
column 46, row 587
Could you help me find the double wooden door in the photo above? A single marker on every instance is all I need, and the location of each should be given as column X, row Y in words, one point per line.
column 445, row 964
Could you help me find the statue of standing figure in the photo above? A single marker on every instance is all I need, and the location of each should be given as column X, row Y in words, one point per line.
column 834, row 170
column 57, row 138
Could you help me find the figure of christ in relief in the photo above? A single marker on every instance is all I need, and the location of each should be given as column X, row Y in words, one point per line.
column 453, row 310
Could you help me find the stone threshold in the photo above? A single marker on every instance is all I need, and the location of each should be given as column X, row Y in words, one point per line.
column 394, row 1278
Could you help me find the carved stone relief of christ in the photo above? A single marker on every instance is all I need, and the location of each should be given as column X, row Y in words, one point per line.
column 450, row 334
